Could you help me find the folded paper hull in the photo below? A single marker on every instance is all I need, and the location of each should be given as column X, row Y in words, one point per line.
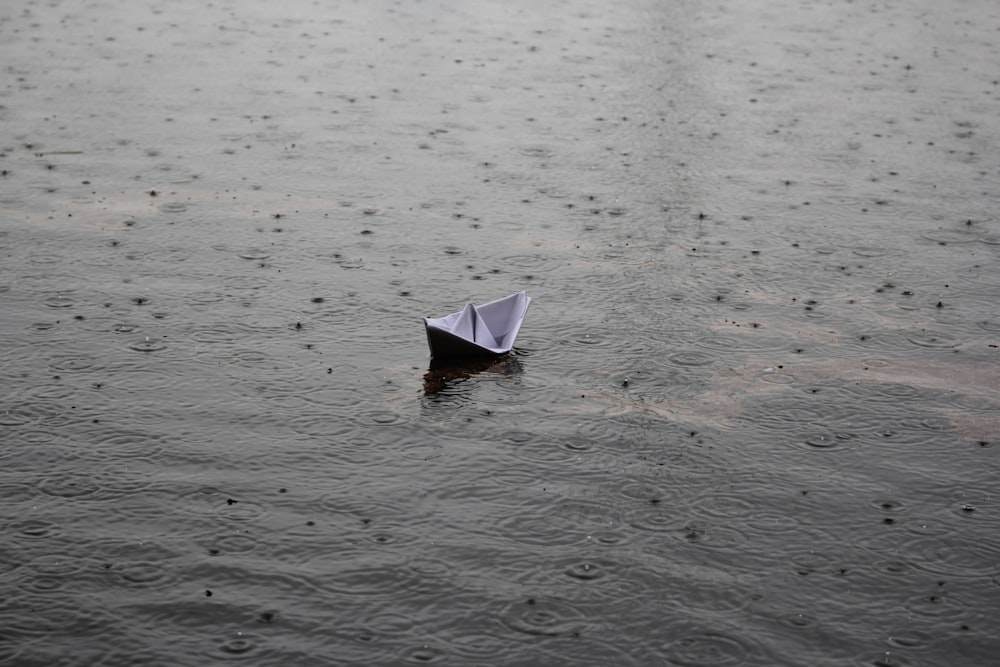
column 477, row 331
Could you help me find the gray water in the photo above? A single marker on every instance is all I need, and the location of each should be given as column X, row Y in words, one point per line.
column 751, row 418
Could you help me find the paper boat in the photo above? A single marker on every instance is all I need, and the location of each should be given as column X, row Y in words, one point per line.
column 477, row 331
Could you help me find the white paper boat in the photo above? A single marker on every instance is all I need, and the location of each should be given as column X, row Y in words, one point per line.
column 477, row 331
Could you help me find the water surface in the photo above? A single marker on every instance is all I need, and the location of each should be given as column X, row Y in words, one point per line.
column 752, row 418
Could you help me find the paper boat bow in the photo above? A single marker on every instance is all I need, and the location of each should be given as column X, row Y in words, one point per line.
column 477, row 331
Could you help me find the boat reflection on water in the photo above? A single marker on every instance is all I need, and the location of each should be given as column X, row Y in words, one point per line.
column 442, row 376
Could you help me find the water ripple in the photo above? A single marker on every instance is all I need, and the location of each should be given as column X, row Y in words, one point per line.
column 35, row 529
column 938, row 606
column 704, row 648
column 540, row 529
column 240, row 646
column 69, row 485
column 147, row 345
column 323, row 425
column 75, row 363
column 827, row 441
column 51, row 616
column 366, row 578
column 423, row 654
column 548, row 617
column 144, row 574
column 954, row 556
column 232, row 543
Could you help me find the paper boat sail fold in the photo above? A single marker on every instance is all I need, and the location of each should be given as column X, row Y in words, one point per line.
column 477, row 331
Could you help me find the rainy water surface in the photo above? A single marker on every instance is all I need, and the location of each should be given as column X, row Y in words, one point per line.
column 752, row 416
